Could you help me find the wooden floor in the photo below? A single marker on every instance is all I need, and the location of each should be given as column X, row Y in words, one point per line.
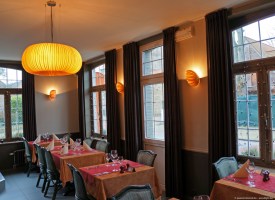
column 21, row 187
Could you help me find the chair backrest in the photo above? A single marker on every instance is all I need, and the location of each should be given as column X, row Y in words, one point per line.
column 41, row 158
column 88, row 141
column 28, row 153
column 102, row 145
column 134, row 192
column 226, row 166
column 52, row 172
column 146, row 157
column 71, row 167
column 80, row 189
column 94, row 142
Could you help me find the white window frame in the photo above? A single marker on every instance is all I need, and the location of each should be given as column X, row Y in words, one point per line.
column 148, row 80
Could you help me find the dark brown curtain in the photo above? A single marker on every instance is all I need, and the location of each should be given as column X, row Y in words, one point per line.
column 81, row 102
column 132, row 102
column 173, row 152
column 28, row 101
column 113, row 126
column 220, row 94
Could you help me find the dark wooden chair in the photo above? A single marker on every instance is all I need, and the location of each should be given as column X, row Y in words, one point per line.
column 80, row 189
column 28, row 155
column 134, row 192
column 53, row 174
column 146, row 157
column 42, row 166
column 102, row 145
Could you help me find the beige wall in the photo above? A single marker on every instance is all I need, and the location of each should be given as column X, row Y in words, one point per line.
column 61, row 114
column 191, row 54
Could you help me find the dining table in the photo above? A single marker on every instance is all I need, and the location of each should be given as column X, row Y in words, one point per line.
column 43, row 143
column 78, row 158
column 105, row 180
column 231, row 188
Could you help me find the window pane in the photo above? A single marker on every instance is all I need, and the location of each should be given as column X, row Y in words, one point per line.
column 267, row 28
column 247, row 114
column 95, row 112
column 238, row 54
column 152, row 61
column 104, row 115
column 251, row 33
column 154, row 111
column 10, row 78
column 254, row 41
column 98, row 75
column 16, row 115
column 268, row 48
column 252, row 51
column 237, row 37
column 2, row 118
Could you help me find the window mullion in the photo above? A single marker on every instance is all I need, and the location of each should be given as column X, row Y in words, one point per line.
column 8, row 116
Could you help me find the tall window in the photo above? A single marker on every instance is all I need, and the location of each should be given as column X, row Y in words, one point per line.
column 254, row 86
column 152, row 90
column 11, row 121
column 98, row 101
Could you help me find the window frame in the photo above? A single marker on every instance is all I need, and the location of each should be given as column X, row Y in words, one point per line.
column 149, row 80
column 7, row 92
column 99, row 89
column 261, row 67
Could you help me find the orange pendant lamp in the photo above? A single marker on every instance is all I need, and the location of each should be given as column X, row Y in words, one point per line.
column 51, row 59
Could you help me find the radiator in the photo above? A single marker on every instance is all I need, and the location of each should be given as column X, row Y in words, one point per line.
column 18, row 157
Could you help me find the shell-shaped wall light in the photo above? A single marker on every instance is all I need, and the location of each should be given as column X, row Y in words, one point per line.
column 120, row 87
column 192, row 78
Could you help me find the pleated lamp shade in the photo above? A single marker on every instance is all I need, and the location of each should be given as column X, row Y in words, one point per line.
column 51, row 59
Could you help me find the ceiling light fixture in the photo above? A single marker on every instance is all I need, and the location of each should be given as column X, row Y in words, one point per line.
column 51, row 59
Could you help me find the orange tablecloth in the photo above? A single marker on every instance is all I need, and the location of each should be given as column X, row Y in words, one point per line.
column 77, row 159
column 42, row 144
column 107, row 185
column 228, row 190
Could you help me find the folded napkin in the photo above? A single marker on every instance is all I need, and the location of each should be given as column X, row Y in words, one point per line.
column 37, row 140
column 86, row 146
column 50, row 147
column 242, row 173
column 71, row 141
column 55, row 137
column 65, row 149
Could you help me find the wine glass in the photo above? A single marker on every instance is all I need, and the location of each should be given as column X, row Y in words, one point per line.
column 64, row 140
column 251, row 169
column 47, row 136
column 201, row 197
column 77, row 143
column 114, row 155
column 107, row 157
column 44, row 136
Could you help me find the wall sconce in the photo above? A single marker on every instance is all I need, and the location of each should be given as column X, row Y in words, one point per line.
column 52, row 95
column 120, row 87
column 192, row 78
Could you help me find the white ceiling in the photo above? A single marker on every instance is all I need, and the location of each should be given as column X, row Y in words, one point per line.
column 92, row 26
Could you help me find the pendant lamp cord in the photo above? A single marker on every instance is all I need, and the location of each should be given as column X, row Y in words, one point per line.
column 52, row 23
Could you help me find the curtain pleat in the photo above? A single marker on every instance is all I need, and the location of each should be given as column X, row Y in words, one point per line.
column 81, row 102
column 113, row 125
column 220, row 91
column 132, row 100
column 173, row 141
column 28, row 104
